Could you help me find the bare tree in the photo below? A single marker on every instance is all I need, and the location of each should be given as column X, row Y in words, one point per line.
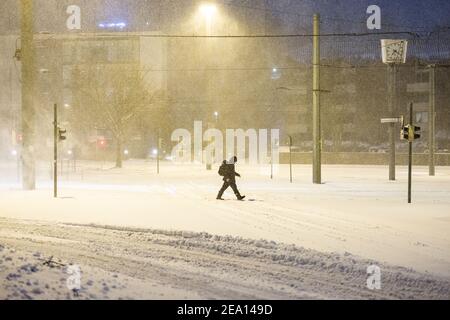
column 113, row 97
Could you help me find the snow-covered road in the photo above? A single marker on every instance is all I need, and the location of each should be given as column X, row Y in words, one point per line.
column 124, row 263
column 356, row 211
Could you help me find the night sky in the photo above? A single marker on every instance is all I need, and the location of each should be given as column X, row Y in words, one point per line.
column 344, row 15
column 411, row 13
column 351, row 16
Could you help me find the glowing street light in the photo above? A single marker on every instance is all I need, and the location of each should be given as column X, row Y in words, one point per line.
column 208, row 10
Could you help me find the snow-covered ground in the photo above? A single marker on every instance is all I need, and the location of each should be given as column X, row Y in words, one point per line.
column 356, row 218
column 125, row 263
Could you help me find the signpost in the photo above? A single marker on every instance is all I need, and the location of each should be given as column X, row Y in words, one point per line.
column 393, row 120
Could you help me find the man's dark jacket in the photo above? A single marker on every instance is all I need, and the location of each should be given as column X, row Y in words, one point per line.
column 230, row 173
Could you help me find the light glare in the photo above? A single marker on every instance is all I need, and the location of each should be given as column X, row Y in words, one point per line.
column 208, row 10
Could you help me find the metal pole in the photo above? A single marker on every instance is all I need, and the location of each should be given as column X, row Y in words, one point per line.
column 271, row 161
column 27, row 58
column 432, row 123
column 55, row 151
column 317, row 150
column 392, row 106
column 158, row 151
column 290, row 158
column 411, row 120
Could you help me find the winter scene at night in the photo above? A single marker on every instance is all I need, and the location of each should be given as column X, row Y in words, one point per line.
column 225, row 150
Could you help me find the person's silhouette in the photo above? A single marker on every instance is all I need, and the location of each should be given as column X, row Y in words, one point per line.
column 228, row 171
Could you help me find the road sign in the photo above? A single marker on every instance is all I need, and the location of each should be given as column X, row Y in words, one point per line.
column 392, row 120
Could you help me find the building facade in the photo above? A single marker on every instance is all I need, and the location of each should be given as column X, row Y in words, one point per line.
column 246, row 82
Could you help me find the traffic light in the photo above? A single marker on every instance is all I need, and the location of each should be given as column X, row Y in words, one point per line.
column 410, row 133
column 61, row 134
column 404, row 134
column 102, row 143
column 417, row 132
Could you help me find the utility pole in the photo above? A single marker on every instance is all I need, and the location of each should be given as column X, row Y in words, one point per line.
column 317, row 137
column 432, row 122
column 392, row 73
column 55, row 150
column 27, row 58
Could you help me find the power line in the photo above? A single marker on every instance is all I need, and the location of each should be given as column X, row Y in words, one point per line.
column 326, row 35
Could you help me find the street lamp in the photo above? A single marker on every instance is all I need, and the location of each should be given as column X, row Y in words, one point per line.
column 393, row 54
column 208, row 10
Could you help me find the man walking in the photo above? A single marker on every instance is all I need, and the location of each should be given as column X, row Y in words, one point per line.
column 228, row 172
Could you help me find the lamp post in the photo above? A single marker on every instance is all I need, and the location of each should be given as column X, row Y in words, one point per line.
column 207, row 12
column 393, row 54
column 28, row 111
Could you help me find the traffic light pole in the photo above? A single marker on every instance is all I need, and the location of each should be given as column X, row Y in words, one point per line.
column 432, row 122
column 55, row 151
column 411, row 120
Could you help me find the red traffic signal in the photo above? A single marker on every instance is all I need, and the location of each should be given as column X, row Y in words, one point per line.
column 102, row 143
